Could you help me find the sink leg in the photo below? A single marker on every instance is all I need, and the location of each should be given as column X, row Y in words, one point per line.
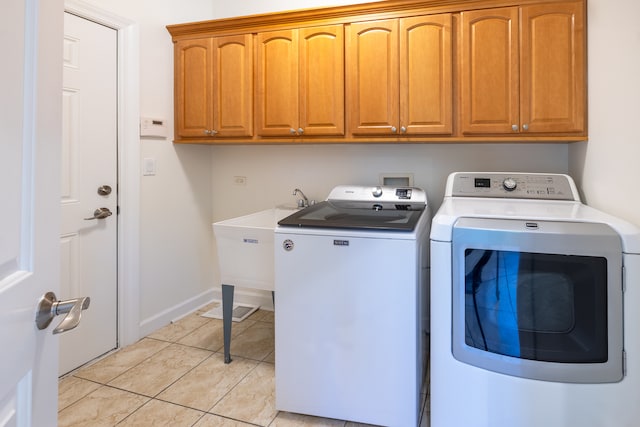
column 227, row 317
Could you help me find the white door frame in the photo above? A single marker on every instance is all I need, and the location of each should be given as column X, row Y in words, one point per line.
column 128, row 166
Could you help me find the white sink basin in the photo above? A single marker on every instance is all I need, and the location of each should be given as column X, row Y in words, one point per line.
column 245, row 248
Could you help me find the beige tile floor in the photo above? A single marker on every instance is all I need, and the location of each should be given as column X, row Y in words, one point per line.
column 177, row 377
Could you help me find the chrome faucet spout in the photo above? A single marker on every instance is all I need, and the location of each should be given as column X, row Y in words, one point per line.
column 304, row 202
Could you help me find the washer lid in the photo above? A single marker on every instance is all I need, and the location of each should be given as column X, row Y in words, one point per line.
column 339, row 214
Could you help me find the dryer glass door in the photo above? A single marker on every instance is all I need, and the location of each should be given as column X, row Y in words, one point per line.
column 545, row 294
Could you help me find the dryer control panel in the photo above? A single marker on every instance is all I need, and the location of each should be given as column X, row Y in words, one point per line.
column 512, row 185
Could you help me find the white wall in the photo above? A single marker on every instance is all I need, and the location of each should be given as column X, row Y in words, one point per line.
column 175, row 206
column 608, row 166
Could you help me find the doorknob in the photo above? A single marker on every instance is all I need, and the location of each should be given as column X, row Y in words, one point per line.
column 100, row 213
column 49, row 307
column 104, row 190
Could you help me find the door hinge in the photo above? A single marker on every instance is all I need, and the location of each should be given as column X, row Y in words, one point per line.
column 624, row 363
column 117, row 210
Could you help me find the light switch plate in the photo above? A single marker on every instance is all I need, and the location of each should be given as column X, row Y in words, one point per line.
column 148, row 166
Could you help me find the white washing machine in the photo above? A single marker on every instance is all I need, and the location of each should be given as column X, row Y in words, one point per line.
column 351, row 308
column 535, row 307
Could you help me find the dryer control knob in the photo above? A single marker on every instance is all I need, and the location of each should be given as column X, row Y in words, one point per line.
column 509, row 184
column 377, row 191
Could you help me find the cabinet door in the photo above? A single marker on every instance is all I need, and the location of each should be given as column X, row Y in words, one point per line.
column 321, row 89
column 372, row 72
column 489, row 78
column 193, row 90
column 277, row 83
column 553, row 68
column 425, row 75
column 233, row 86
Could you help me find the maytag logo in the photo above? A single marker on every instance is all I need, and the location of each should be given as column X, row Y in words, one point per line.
column 287, row 245
column 337, row 242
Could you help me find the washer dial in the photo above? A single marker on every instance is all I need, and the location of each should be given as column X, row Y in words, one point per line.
column 509, row 184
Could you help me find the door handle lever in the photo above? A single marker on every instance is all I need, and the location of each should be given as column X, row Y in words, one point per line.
column 49, row 307
column 100, row 213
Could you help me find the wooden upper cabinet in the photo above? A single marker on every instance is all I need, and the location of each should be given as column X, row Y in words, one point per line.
column 322, row 80
column 553, row 68
column 523, row 70
column 233, row 86
column 277, row 83
column 425, row 75
column 193, row 88
column 385, row 71
column 399, row 73
column 300, row 82
column 214, row 87
column 373, row 75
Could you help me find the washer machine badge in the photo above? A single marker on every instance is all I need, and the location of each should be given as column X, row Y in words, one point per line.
column 288, row 245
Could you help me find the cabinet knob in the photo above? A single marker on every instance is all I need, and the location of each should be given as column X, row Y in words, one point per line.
column 525, row 127
column 207, row 132
column 300, row 131
column 214, row 132
column 394, row 129
column 514, row 128
column 292, row 131
column 403, row 129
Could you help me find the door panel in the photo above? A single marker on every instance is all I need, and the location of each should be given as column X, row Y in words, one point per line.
column 552, row 77
column 322, row 80
column 277, row 80
column 89, row 161
column 30, row 125
column 193, row 87
column 425, row 75
column 233, row 85
column 489, row 82
column 373, row 77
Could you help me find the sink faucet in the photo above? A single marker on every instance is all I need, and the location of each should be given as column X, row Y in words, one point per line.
column 304, row 202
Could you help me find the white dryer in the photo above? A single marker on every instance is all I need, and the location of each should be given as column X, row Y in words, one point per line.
column 535, row 306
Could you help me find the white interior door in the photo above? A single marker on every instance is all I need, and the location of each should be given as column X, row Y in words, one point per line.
column 89, row 182
column 30, row 133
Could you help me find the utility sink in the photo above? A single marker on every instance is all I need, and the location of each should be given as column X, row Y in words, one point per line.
column 245, row 248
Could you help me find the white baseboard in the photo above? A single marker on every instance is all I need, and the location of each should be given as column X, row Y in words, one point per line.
column 248, row 296
column 254, row 297
column 152, row 324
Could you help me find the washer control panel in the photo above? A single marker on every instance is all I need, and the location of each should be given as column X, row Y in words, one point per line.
column 383, row 197
column 512, row 185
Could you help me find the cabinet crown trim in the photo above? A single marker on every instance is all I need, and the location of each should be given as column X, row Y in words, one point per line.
column 333, row 15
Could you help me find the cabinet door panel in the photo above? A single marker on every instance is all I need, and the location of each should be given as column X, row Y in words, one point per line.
column 233, row 85
column 425, row 74
column 193, row 87
column 553, row 64
column 373, row 92
column 322, row 80
column 489, row 78
column 277, row 84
